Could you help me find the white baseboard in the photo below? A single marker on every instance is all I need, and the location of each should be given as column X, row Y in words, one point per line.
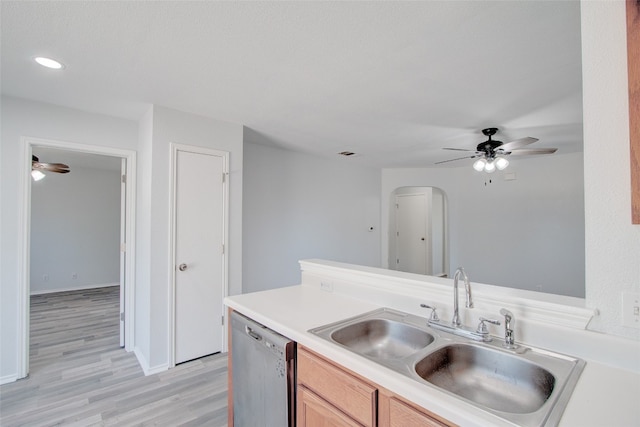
column 145, row 365
column 142, row 361
column 9, row 379
column 75, row 288
column 157, row 369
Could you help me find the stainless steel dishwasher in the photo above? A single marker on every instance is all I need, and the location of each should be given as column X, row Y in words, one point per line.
column 263, row 369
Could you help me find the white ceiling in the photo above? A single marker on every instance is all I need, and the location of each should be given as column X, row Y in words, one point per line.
column 392, row 81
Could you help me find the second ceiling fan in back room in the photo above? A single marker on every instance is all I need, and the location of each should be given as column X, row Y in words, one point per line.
column 38, row 168
column 491, row 154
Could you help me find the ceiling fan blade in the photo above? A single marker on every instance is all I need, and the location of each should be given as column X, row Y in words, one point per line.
column 510, row 146
column 56, row 165
column 459, row 158
column 50, row 167
column 458, row 149
column 59, row 170
column 528, row 151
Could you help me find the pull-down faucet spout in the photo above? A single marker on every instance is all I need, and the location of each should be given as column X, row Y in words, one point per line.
column 467, row 289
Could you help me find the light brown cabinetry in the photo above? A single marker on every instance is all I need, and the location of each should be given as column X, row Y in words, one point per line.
column 330, row 395
column 340, row 390
column 393, row 411
column 313, row 410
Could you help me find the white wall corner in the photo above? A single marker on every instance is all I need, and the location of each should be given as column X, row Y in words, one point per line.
column 142, row 361
column 144, row 364
column 156, row 369
column 9, row 379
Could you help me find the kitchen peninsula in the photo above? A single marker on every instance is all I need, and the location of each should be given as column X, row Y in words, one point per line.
column 606, row 392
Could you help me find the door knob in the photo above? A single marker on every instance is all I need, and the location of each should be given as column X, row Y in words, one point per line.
column 182, row 267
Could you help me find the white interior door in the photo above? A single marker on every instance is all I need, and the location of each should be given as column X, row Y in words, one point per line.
column 200, row 273
column 412, row 233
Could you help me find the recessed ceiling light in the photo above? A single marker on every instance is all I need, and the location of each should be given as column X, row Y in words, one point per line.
column 48, row 62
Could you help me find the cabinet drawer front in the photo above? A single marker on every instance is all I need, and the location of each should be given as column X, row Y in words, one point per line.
column 346, row 392
column 402, row 415
column 315, row 412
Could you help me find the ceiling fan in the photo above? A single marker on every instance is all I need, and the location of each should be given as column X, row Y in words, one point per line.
column 38, row 168
column 491, row 153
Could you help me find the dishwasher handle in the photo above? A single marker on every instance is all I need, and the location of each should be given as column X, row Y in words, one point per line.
column 252, row 333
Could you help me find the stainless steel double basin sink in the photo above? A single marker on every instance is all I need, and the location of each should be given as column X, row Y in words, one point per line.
column 526, row 386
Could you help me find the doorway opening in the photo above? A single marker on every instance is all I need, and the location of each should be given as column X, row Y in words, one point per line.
column 418, row 242
column 58, row 251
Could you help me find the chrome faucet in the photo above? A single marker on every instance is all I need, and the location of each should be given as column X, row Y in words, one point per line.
column 481, row 333
column 467, row 289
column 509, row 322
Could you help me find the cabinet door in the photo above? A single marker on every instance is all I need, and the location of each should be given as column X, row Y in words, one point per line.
column 344, row 391
column 393, row 411
column 402, row 415
column 313, row 411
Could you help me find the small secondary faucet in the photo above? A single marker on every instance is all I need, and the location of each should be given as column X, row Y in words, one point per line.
column 509, row 322
column 467, row 288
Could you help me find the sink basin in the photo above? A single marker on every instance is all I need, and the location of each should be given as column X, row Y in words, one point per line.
column 487, row 377
column 527, row 387
column 384, row 335
column 382, row 338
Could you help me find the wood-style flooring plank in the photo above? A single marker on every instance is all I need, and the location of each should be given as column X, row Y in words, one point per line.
column 79, row 376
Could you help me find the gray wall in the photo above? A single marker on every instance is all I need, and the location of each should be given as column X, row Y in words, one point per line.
column 75, row 228
column 526, row 233
column 298, row 206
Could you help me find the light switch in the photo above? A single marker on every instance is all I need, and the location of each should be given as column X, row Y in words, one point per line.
column 631, row 309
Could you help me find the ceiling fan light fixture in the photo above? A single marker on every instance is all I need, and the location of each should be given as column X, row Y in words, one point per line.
column 501, row 163
column 490, row 167
column 479, row 165
column 37, row 175
column 491, row 153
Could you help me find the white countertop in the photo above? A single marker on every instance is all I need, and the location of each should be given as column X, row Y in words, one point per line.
column 604, row 396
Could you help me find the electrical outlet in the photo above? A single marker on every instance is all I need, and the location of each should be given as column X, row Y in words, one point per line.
column 45, row 277
column 631, row 309
column 326, row 286
column 74, row 276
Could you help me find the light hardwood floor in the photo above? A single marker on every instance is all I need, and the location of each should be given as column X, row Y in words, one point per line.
column 79, row 376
